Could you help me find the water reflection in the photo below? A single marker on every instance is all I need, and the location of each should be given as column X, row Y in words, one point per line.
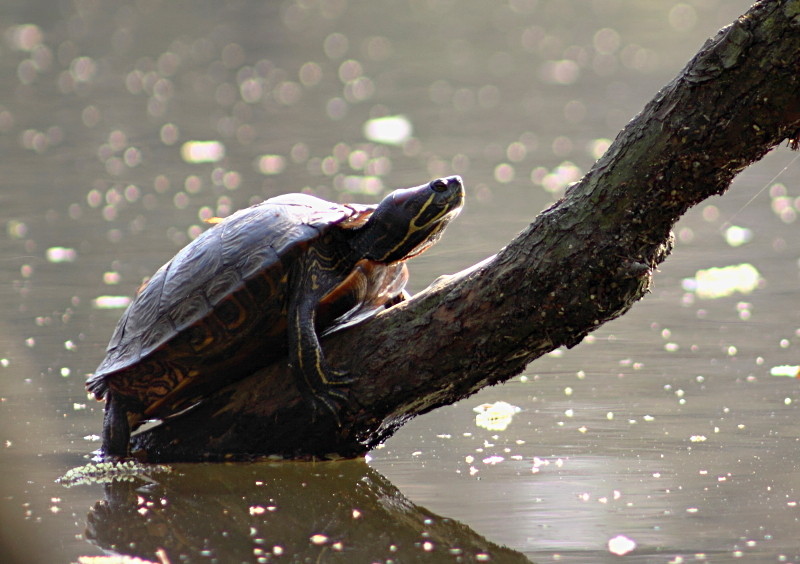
column 331, row 512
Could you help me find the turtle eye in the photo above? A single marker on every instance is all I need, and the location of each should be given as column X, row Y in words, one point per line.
column 439, row 185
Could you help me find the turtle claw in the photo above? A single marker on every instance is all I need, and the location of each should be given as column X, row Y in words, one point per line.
column 330, row 400
column 325, row 406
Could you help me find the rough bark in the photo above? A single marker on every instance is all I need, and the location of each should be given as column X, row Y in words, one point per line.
column 584, row 261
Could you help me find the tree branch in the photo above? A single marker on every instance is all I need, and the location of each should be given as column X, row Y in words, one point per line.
column 581, row 263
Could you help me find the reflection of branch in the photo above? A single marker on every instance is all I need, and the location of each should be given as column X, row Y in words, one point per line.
column 581, row 263
column 336, row 511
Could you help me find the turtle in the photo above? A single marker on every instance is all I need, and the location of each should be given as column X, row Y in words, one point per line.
column 259, row 286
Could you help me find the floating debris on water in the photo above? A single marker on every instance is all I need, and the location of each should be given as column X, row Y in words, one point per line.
column 557, row 179
column 783, row 205
column 24, row 37
column 390, row 130
column 371, row 185
column 202, row 151
column 721, row 282
column 538, row 463
column 785, row 370
column 111, row 278
column 270, row 164
column 621, row 545
column 736, row 236
column 495, row 416
column 61, row 254
column 121, row 559
column 107, row 472
column 111, row 302
column 318, row 539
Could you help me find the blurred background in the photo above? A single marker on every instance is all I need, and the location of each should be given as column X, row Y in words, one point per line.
column 124, row 124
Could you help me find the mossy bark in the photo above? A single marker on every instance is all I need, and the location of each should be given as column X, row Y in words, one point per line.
column 584, row 261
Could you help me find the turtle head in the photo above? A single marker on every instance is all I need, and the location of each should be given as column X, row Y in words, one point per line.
column 410, row 220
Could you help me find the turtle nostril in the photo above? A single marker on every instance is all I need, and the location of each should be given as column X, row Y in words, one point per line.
column 453, row 180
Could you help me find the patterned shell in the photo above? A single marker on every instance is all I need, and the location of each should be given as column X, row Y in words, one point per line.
column 186, row 307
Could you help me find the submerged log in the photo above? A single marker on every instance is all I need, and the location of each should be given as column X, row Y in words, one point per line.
column 581, row 263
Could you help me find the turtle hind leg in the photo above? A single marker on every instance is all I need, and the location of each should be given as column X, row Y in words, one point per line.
column 116, row 429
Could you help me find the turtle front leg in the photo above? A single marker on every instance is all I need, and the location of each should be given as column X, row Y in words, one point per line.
column 320, row 386
column 116, row 429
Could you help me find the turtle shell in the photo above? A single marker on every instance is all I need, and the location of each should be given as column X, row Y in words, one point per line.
column 217, row 311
